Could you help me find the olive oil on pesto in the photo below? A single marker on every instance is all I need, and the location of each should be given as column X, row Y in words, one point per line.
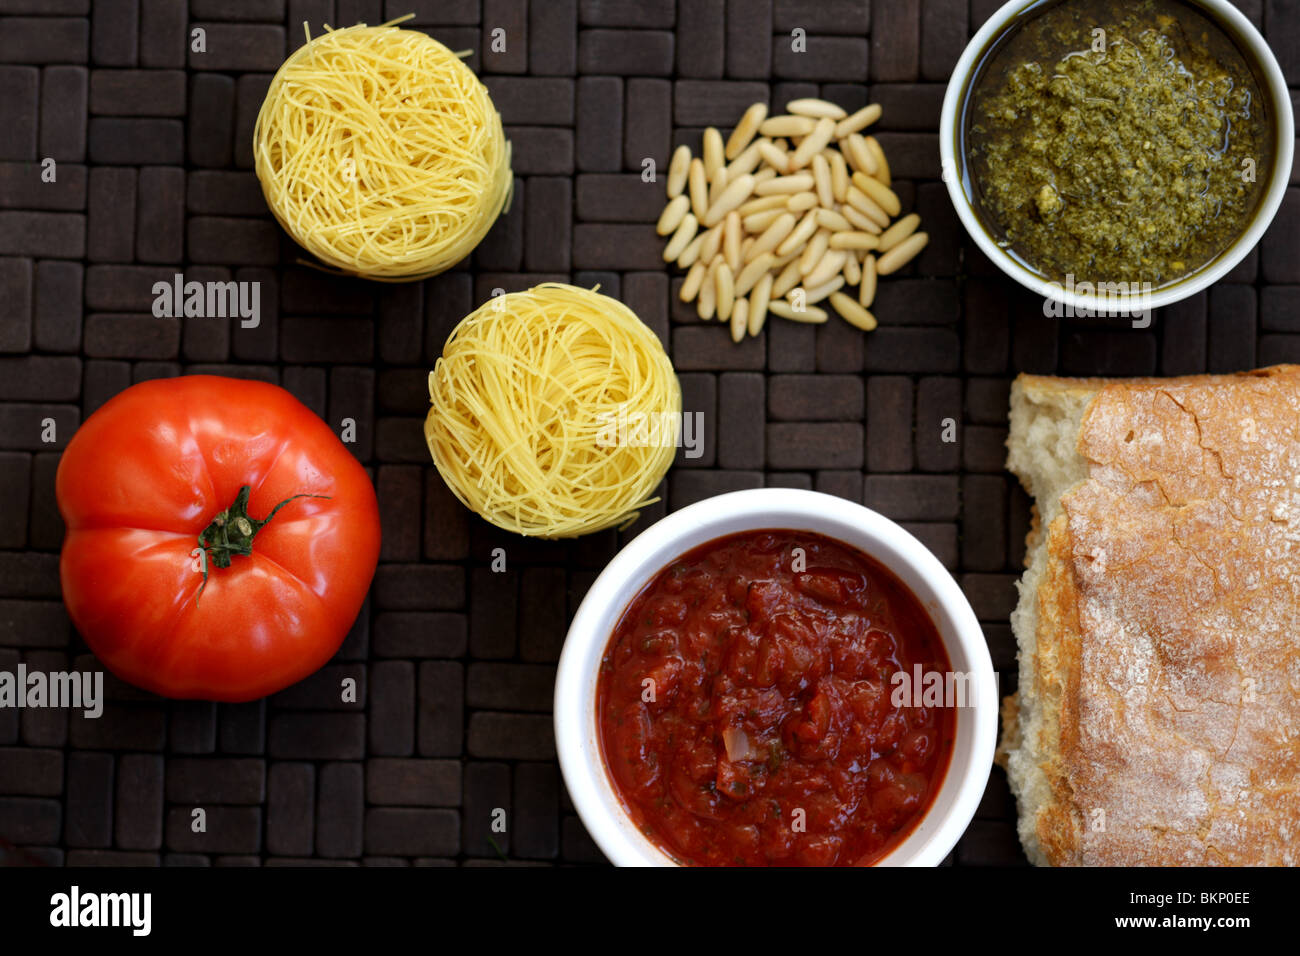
column 1137, row 155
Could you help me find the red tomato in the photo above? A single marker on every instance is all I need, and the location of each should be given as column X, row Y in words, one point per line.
column 165, row 462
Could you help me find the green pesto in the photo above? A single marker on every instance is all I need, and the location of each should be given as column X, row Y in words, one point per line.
column 1138, row 162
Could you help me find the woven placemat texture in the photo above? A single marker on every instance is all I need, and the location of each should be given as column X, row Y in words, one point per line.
column 456, row 663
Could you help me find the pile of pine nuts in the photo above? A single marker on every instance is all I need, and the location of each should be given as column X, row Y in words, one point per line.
column 791, row 211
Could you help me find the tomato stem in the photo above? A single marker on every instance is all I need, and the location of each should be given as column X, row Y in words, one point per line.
column 232, row 531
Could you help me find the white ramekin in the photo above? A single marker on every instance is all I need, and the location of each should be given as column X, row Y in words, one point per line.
column 576, row 731
column 1239, row 28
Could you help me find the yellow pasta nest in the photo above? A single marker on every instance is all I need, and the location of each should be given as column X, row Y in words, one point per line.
column 555, row 412
column 381, row 153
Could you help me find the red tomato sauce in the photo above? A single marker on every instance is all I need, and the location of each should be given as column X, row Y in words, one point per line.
column 768, row 736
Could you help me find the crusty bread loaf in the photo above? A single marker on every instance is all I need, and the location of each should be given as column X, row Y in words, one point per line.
column 1158, row 714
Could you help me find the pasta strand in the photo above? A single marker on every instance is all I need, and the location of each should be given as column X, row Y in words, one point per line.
column 381, row 153
column 526, row 406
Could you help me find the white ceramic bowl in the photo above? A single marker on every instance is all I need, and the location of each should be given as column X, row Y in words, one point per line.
column 1275, row 178
column 576, row 731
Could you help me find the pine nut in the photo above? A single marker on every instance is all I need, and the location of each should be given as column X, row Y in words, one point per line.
column 707, row 302
column 802, row 233
column 868, row 206
column 830, row 264
column 899, row 231
column 712, row 151
column 783, row 260
column 902, row 254
column 799, row 183
column 773, row 235
column 731, row 197
column 699, row 187
column 882, row 164
column 717, row 183
column 787, row 280
column 813, row 143
column 732, row 236
column 712, row 243
column 677, row 171
column 854, row 240
column 745, row 129
column 852, row 312
column 885, row 197
column 816, row 108
column 852, row 270
column 691, row 253
column 673, row 215
column 858, row 220
column 682, row 236
column 858, row 121
column 819, row 292
column 859, row 157
column 821, row 170
column 775, row 126
column 830, row 219
column 726, row 291
column 778, row 159
column 814, row 251
column 867, row 287
column 691, row 285
column 801, row 202
column 757, row 267
column 760, row 221
column 809, row 313
column 746, row 162
column 839, row 177
column 758, row 304
column 790, row 209
column 739, row 319
column 761, row 204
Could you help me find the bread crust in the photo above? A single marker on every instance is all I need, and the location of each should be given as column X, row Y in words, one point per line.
column 1158, row 717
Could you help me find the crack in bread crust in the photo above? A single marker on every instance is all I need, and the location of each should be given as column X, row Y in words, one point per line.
column 1158, row 715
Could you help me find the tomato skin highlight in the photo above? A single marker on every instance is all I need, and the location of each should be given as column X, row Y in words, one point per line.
column 141, row 480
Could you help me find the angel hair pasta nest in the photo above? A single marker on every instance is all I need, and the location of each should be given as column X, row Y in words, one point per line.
column 381, row 153
column 555, row 412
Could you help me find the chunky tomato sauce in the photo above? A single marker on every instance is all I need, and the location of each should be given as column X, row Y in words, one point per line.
column 745, row 705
